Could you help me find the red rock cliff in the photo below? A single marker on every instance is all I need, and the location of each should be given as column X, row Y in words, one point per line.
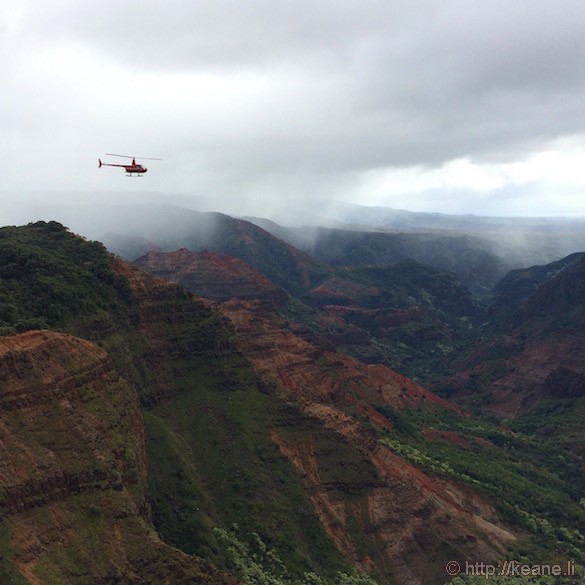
column 73, row 470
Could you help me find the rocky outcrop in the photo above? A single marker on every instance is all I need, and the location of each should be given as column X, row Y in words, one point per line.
column 59, row 391
column 73, row 471
column 212, row 276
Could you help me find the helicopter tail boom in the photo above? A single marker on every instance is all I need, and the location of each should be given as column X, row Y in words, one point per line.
column 103, row 164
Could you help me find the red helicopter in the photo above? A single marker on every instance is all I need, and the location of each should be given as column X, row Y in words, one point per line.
column 132, row 170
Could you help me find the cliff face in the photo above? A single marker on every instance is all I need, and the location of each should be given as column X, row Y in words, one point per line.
column 73, row 471
column 380, row 511
column 58, row 387
column 211, row 275
column 409, row 315
column 414, row 522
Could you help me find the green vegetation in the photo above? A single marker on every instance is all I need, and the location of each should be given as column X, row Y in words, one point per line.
column 514, row 580
column 212, row 462
column 51, row 278
column 409, row 283
column 560, row 419
column 8, row 573
column 297, row 312
column 257, row 564
column 412, row 317
column 535, row 484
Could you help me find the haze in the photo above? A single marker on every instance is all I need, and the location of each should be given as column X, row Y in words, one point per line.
column 458, row 106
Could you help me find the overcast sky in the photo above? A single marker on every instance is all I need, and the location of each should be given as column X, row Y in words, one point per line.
column 455, row 106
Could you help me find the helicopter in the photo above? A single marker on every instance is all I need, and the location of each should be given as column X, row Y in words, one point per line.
column 132, row 170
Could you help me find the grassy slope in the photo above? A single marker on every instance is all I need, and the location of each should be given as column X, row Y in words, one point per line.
column 212, row 463
column 421, row 346
column 536, row 485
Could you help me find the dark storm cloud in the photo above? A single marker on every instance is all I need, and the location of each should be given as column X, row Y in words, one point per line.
column 207, row 34
column 479, row 79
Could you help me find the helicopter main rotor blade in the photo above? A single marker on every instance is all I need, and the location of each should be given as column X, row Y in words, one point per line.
column 135, row 157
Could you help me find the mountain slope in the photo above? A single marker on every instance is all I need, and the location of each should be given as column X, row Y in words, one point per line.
column 326, row 463
column 73, row 472
column 351, row 492
column 467, row 257
column 304, row 417
column 408, row 315
column 512, row 292
column 176, row 228
column 534, row 373
column 211, row 275
column 373, row 408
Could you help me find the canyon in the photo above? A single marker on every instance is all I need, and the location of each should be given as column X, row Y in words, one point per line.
column 139, row 414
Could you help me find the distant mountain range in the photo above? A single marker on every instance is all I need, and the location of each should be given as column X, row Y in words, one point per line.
column 517, row 242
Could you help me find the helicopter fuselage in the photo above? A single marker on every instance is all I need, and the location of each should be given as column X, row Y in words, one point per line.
column 130, row 169
column 136, row 169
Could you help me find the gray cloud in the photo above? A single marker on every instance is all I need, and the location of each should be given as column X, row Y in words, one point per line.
column 247, row 96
